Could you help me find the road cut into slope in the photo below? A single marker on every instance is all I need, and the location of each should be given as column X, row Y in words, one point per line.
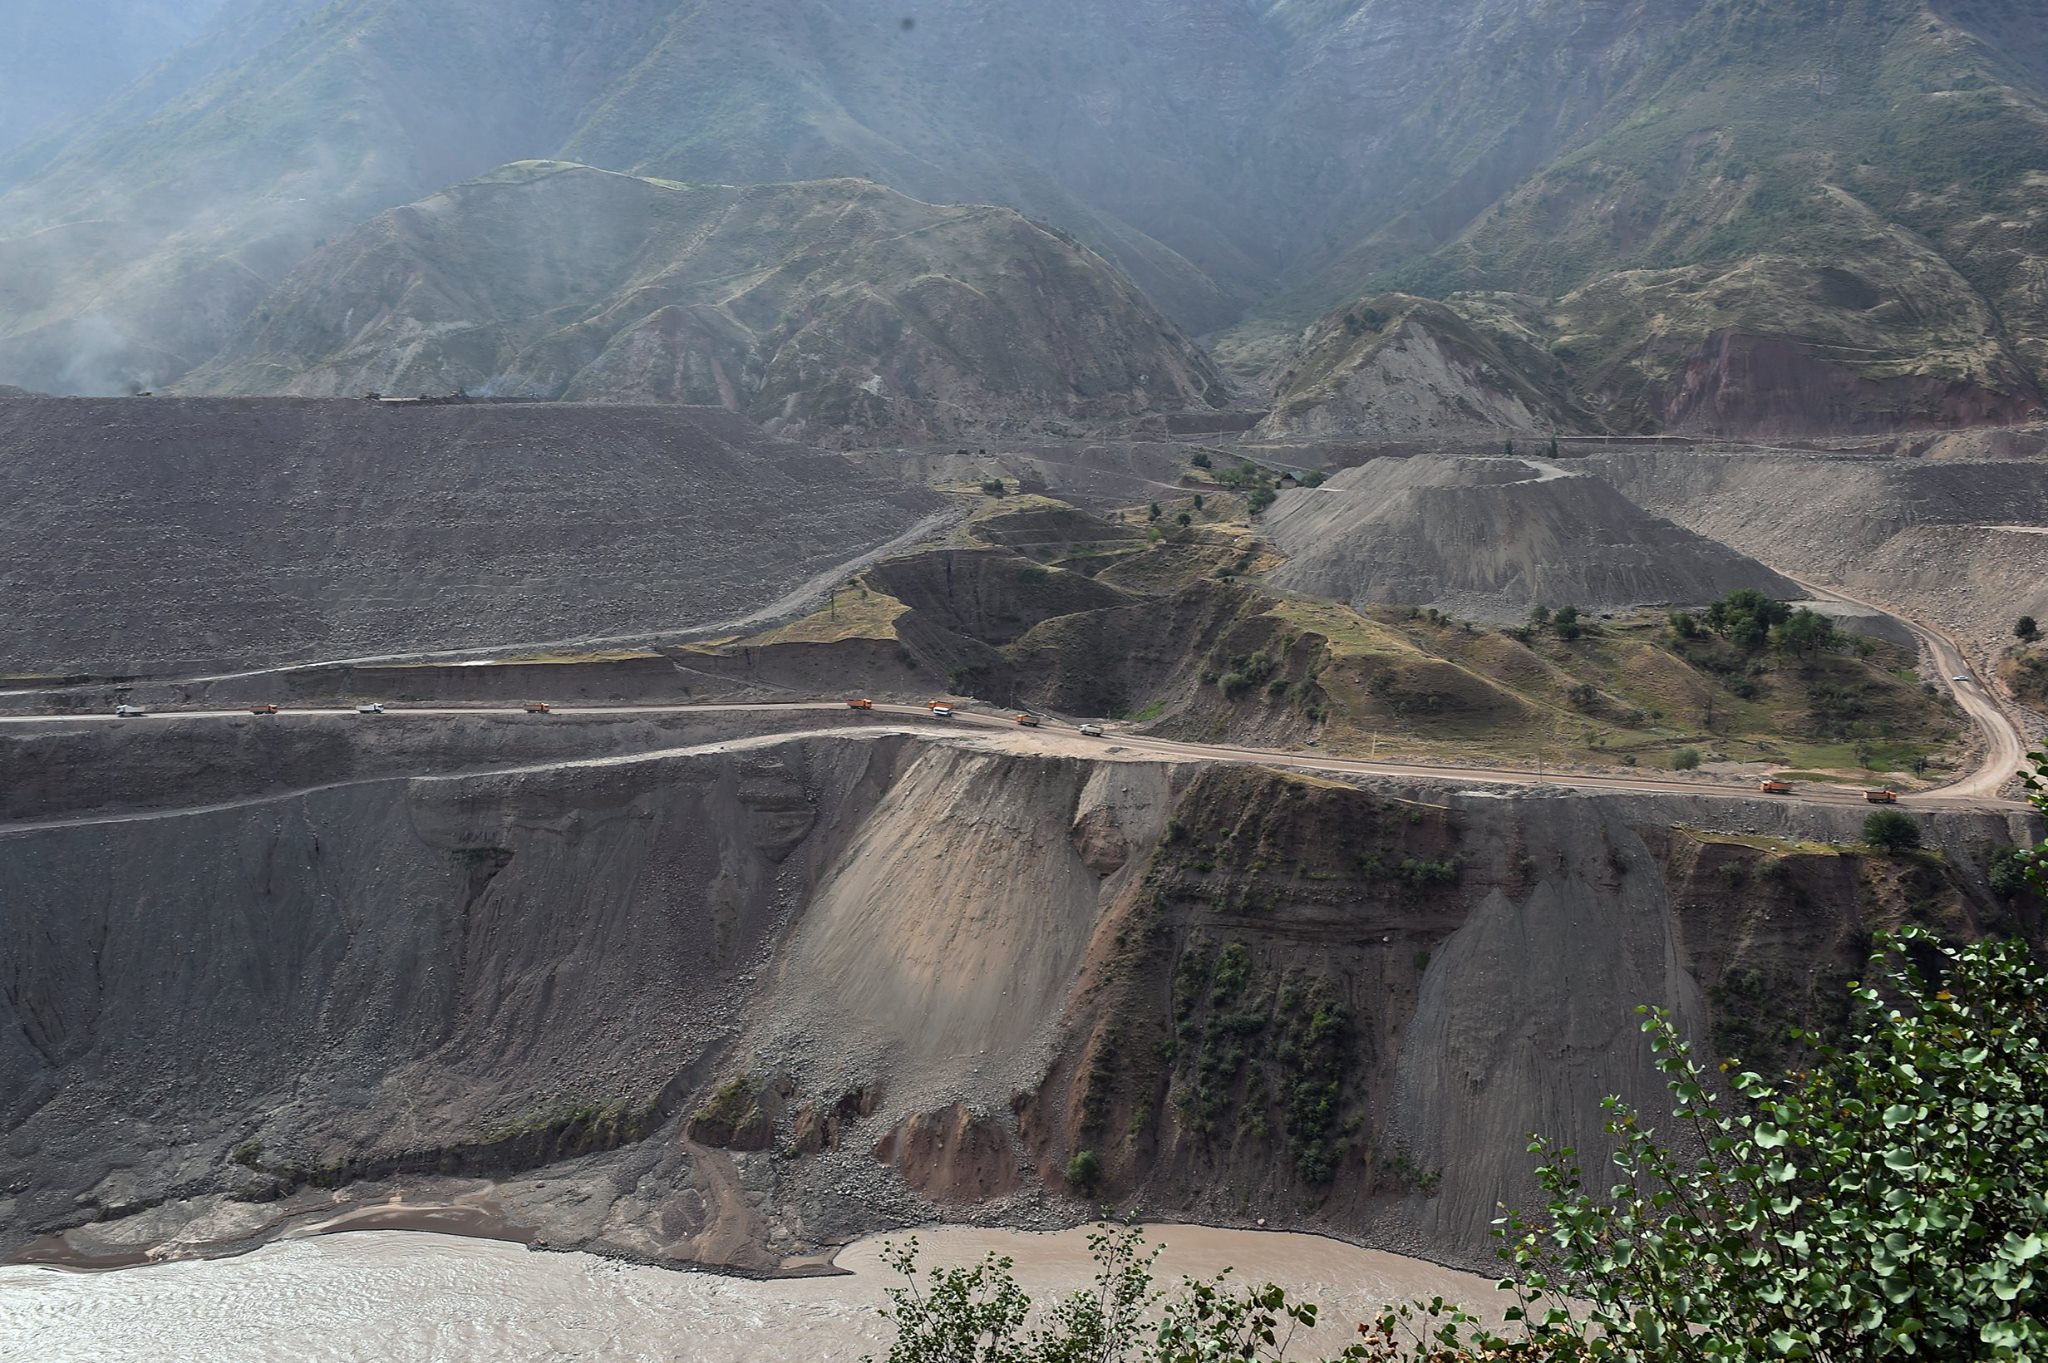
column 676, row 1004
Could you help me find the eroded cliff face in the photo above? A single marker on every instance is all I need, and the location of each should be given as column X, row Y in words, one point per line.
column 736, row 1002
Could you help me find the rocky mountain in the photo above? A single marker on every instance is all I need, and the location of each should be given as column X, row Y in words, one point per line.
column 1716, row 215
column 1791, row 216
column 132, row 249
column 815, row 308
column 1399, row 364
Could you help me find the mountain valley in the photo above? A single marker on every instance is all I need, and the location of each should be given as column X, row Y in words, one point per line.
column 689, row 634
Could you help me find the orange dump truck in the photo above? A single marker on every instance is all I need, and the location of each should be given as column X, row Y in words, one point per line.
column 1028, row 721
column 1881, row 797
column 1771, row 785
column 538, row 707
column 263, row 709
column 861, row 704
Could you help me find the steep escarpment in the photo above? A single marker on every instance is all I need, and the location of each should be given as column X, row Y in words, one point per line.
column 1340, row 1006
column 730, row 1003
column 816, row 308
column 153, row 534
column 1491, row 538
column 392, row 974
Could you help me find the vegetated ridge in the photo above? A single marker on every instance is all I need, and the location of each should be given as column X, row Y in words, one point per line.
column 819, row 309
column 1787, row 216
column 1186, row 630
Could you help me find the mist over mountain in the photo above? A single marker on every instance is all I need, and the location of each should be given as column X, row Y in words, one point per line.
column 811, row 307
column 1646, row 204
column 58, row 58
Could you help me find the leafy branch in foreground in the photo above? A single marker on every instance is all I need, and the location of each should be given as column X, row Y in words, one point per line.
column 979, row 1314
column 1889, row 1201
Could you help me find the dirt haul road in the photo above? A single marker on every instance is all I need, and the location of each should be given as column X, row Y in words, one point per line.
column 2005, row 745
column 1977, row 791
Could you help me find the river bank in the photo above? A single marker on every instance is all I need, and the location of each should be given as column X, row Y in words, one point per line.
column 415, row 1297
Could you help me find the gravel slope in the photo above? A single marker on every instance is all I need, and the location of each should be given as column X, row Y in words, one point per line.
column 1489, row 538
column 176, row 534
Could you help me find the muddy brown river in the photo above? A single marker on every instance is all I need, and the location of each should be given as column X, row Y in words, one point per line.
column 407, row 1297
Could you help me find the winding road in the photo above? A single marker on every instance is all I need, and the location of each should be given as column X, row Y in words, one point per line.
column 2004, row 751
column 2005, row 744
column 1052, row 737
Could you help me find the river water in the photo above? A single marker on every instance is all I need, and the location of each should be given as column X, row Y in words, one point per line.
column 408, row 1297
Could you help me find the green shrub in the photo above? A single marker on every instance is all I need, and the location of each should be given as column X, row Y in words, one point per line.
column 1889, row 830
column 1685, row 759
column 1084, row 1171
column 1882, row 1201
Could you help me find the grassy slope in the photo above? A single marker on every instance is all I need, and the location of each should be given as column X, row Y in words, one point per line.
column 1626, row 692
column 1399, row 684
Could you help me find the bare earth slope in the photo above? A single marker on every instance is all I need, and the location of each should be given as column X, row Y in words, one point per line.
column 811, row 307
column 727, row 972
column 1489, row 538
column 1959, row 541
column 1400, row 365
column 160, row 533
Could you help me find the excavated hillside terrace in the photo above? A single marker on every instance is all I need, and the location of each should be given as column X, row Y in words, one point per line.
column 174, row 536
column 734, row 1001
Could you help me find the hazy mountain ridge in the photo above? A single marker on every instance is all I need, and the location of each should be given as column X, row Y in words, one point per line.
column 1850, row 191
column 1664, row 196
column 811, row 307
column 59, row 57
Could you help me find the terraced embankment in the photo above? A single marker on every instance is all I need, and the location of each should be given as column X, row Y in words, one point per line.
column 1489, row 538
column 1950, row 540
column 675, row 1004
column 176, row 535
